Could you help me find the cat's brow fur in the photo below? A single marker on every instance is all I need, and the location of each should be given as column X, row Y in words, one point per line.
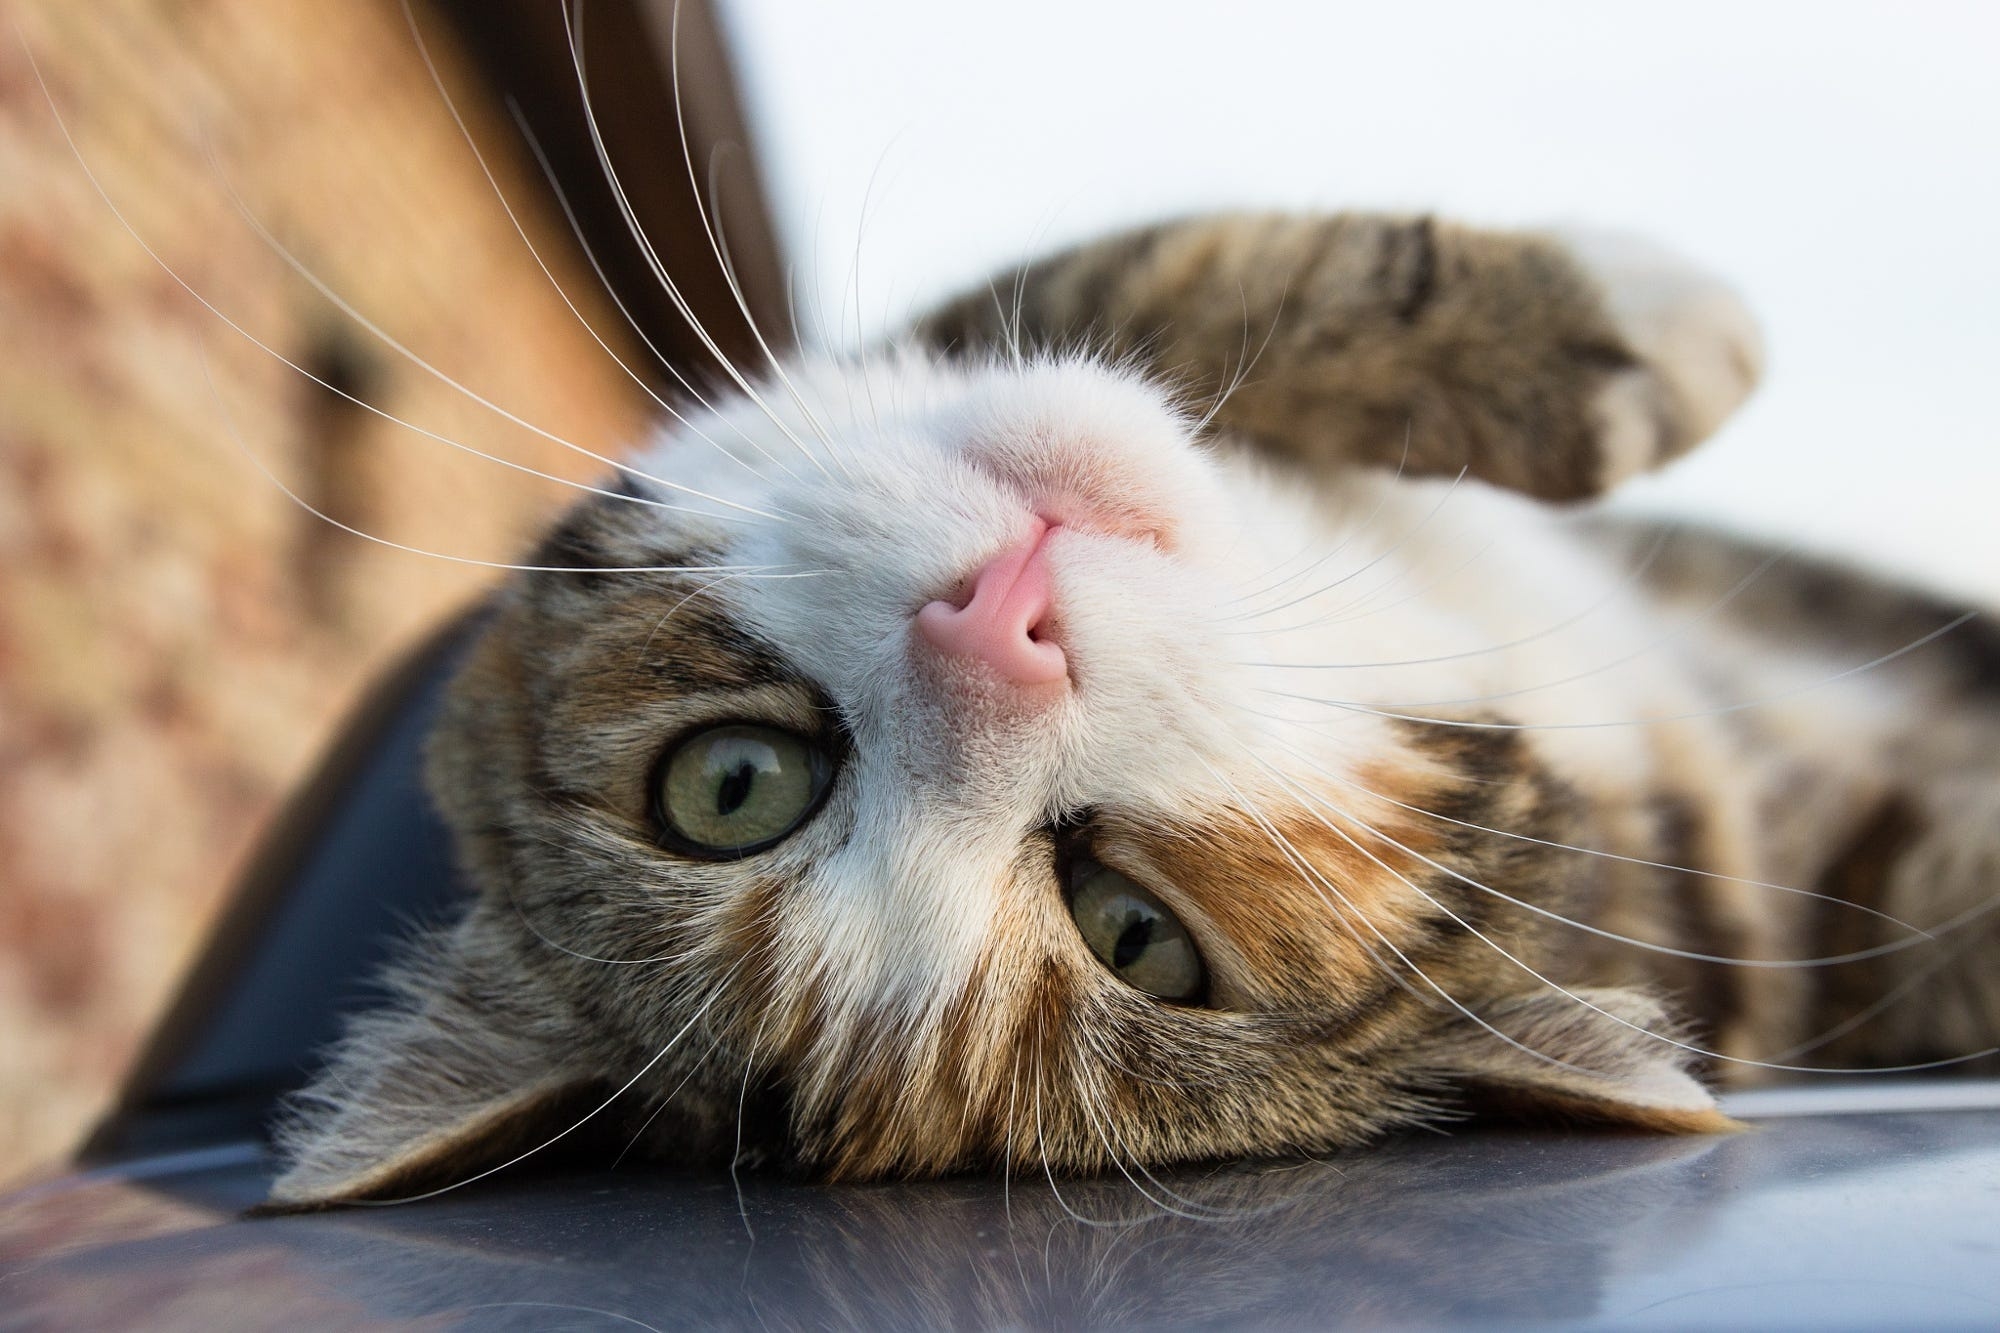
column 1377, row 787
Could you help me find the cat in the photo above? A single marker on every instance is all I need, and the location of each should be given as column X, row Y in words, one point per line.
column 1161, row 709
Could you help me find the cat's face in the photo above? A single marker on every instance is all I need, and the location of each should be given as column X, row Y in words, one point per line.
column 840, row 878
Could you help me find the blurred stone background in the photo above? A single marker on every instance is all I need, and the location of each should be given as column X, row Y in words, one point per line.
column 177, row 636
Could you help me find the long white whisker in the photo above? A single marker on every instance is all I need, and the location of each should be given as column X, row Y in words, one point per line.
column 679, row 956
column 388, row 340
column 651, row 256
column 1348, row 705
column 173, row 274
column 1312, row 875
column 1398, row 545
column 1316, row 561
column 1671, row 635
column 1858, row 955
column 1610, row 596
column 1048, row 1169
column 229, row 424
column 714, row 1044
column 829, row 442
column 610, row 289
column 1245, row 358
column 1716, row 875
column 1195, row 1210
column 534, row 145
column 553, row 1139
column 742, row 1102
column 1104, row 1137
column 1351, row 612
column 1895, row 994
column 715, row 246
column 1569, row 994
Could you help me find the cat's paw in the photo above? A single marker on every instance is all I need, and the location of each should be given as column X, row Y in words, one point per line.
column 1698, row 349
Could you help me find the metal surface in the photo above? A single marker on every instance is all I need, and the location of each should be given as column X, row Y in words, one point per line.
column 1811, row 1220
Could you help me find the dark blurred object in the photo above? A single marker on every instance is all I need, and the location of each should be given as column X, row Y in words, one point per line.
column 356, row 860
column 629, row 49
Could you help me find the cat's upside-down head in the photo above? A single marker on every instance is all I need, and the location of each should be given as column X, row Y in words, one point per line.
column 935, row 766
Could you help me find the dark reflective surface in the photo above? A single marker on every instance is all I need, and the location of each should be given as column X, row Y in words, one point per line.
column 1822, row 1220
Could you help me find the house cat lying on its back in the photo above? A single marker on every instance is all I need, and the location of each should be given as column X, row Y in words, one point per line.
column 970, row 757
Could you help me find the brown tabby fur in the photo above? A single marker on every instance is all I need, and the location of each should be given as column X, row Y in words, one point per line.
column 1346, row 953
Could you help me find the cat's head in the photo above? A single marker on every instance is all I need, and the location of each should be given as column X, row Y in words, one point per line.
column 917, row 799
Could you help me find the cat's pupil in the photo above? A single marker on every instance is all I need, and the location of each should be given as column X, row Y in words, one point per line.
column 739, row 788
column 1133, row 933
column 1133, row 941
column 735, row 787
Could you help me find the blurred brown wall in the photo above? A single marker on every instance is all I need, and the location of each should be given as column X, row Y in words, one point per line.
column 176, row 635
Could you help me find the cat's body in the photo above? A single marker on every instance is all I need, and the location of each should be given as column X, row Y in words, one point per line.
column 1150, row 788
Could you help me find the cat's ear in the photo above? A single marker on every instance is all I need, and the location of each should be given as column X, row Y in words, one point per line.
column 452, row 1079
column 1601, row 1065
column 1554, row 364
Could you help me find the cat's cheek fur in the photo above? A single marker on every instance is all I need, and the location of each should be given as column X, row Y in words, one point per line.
column 1383, row 744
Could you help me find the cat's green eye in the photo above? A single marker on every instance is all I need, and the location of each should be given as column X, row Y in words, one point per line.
column 737, row 789
column 1135, row 935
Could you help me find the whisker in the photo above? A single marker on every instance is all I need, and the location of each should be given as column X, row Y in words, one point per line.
column 1347, row 705
column 1895, row 994
column 1313, row 876
column 553, row 1139
column 229, row 425
column 506, row 206
column 1191, row 1209
column 672, row 611
column 651, row 255
column 854, row 282
column 715, row 246
column 1856, row 956
column 1564, row 991
column 1348, row 614
column 1672, row 635
column 1398, row 545
column 1716, row 875
column 610, row 289
column 1613, row 594
column 174, row 275
column 679, row 956
column 828, row 440
column 638, row 1135
column 1048, row 1170
column 1245, row 358
column 1087, row 1102
column 736, row 1156
column 388, row 340
column 1354, row 531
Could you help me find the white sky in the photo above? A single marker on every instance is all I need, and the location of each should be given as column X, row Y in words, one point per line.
column 1840, row 162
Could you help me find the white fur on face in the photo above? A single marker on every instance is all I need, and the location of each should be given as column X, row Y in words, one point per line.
column 919, row 475
column 1218, row 653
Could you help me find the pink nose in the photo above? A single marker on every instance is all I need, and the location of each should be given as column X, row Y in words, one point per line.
column 1001, row 624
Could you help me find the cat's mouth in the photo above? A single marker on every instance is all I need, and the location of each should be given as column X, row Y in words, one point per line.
column 1107, row 517
column 1096, row 486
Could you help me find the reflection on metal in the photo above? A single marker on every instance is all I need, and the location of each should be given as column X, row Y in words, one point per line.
column 1834, row 1220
